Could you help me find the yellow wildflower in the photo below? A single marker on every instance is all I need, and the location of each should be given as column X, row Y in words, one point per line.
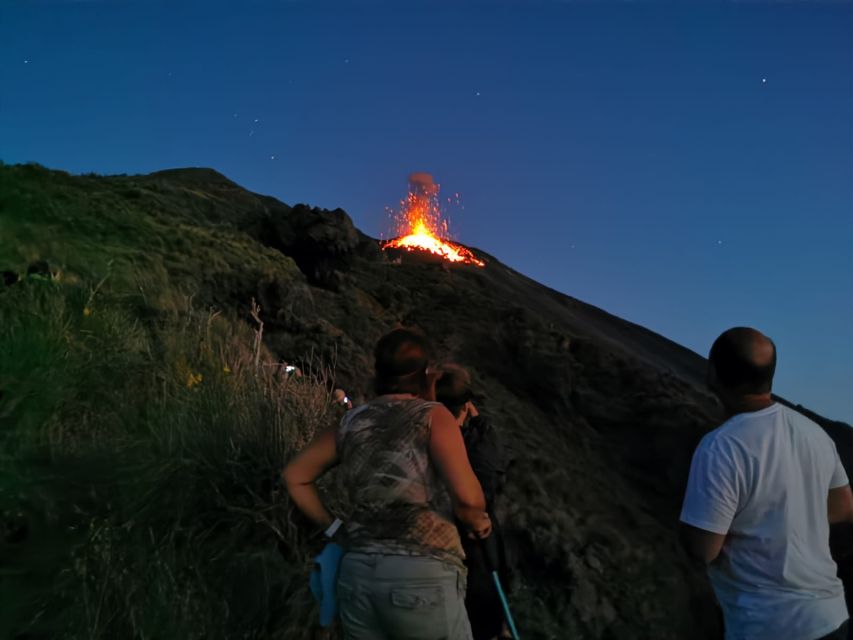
column 226, row 369
column 193, row 379
column 87, row 312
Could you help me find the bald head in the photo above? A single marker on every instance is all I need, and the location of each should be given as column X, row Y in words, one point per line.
column 744, row 361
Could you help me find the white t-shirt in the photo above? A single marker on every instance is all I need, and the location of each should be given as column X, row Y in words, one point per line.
column 762, row 479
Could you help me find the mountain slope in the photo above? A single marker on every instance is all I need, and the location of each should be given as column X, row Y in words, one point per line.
column 601, row 415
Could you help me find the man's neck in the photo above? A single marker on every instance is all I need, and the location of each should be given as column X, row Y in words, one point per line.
column 748, row 404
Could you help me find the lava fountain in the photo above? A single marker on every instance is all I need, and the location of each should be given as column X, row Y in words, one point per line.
column 421, row 227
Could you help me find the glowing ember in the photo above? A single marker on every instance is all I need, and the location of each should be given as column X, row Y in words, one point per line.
column 420, row 226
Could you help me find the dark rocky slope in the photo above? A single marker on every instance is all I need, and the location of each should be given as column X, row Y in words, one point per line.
column 601, row 415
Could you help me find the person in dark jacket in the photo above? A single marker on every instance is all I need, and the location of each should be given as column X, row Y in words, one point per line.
column 489, row 462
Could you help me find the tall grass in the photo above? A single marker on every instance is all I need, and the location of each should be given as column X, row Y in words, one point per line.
column 142, row 441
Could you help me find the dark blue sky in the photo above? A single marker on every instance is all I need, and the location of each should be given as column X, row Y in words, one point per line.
column 685, row 166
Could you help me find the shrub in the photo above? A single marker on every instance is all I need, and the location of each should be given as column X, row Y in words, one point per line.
column 139, row 481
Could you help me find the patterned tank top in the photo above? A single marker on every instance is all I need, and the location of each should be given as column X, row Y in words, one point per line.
column 400, row 505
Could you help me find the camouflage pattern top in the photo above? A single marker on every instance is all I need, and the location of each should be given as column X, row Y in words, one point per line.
column 400, row 504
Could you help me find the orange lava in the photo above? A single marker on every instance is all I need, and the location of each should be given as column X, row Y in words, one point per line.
column 420, row 226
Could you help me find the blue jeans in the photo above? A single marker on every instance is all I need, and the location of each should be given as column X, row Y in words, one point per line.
column 388, row 597
column 842, row 633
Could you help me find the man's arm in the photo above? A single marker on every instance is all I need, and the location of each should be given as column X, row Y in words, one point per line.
column 485, row 451
column 302, row 472
column 703, row 546
column 840, row 505
column 711, row 500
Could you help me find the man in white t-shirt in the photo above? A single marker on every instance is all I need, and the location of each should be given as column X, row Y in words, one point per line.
column 763, row 489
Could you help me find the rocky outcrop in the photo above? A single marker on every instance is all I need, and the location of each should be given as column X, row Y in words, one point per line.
column 322, row 243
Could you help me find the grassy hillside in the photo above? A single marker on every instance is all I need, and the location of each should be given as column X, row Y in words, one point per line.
column 141, row 431
column 144, row 418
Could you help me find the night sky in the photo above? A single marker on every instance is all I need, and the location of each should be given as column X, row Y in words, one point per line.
column 688, row 167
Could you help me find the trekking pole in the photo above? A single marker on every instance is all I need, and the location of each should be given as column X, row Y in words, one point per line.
column 491, row 565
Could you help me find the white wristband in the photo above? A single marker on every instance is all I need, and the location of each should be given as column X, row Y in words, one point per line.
column 333, row 528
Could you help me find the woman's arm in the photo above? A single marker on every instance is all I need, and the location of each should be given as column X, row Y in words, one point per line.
column 302, row 472
column 447, row 451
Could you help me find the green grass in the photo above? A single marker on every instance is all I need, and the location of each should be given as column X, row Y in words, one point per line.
column 141, row 436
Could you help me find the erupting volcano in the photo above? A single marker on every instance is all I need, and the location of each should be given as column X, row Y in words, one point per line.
column 420, row 226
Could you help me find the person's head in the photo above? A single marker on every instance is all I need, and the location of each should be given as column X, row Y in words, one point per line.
column 401, row 363
column 453, row 389
column 741, row 366
column 339, row 397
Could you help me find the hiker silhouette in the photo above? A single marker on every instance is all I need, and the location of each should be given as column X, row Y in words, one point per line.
column 487, row 457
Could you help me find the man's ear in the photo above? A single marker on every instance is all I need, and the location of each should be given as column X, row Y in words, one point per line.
column 711, row 376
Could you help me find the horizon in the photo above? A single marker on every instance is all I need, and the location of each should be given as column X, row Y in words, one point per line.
column 727, row 130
